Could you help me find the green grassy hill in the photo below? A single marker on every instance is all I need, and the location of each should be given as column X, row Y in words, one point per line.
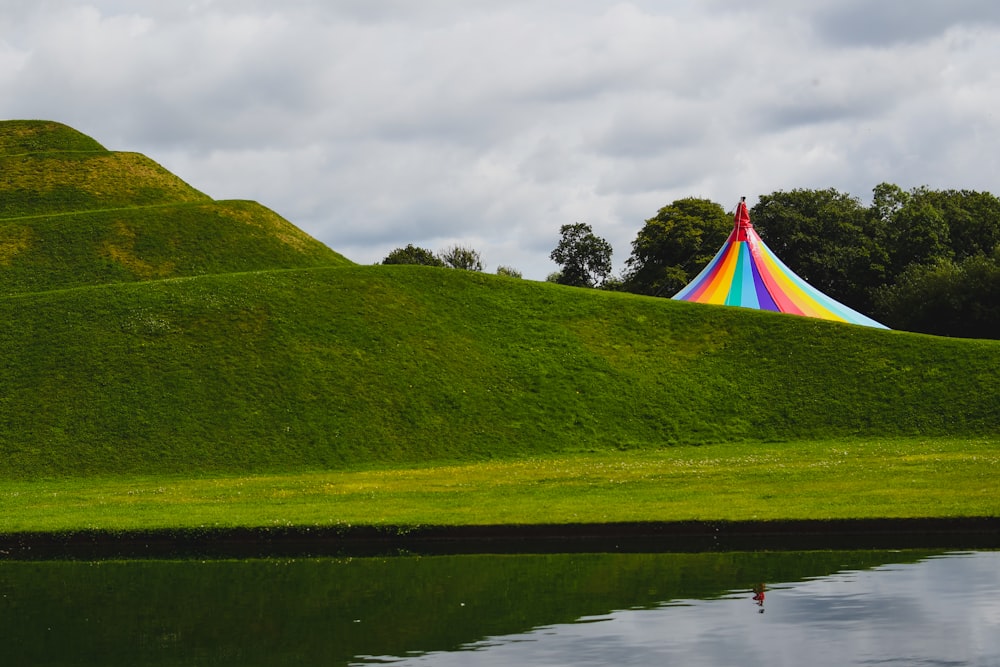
column 73, row 213
column 309, row 369
column 19, row 137
column 46, row 252
column 203, row 337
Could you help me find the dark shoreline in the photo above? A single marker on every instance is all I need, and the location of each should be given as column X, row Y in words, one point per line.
column 682, row 536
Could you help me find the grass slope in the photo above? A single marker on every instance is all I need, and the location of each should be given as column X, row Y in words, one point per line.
column 50, row 168
column 45, row 183
column 39, row 136
column 331, row 368
column 39, row 253
column 73, row 213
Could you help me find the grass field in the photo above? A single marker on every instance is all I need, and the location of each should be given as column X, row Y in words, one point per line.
column 894, row 478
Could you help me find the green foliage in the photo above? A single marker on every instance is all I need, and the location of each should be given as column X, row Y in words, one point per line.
column 974, row 228
column 584, row 257
column 508, row 271
column 613, row 284
column 675, row 245
column 461, row 257
column 918, row 235
column 413, row 255
column 946, row 298
column 826, row 237
column 922, row 226
column 903, row 259
column 891, row 259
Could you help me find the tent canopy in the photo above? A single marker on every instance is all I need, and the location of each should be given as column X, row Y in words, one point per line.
column 746, row 273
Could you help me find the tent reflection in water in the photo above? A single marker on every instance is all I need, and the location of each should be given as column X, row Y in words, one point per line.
column 746, row 273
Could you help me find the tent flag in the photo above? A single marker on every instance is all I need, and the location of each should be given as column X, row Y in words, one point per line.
column 746, row 273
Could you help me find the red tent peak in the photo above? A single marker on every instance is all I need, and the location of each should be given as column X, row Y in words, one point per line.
column 741, row 221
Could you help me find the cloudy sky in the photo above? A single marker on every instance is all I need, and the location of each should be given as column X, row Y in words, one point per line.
column 489, row 123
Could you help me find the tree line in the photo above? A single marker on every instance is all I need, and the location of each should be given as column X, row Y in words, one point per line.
column 918, row 260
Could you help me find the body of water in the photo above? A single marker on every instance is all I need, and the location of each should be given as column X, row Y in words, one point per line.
column 783, row 608
column 940, row 611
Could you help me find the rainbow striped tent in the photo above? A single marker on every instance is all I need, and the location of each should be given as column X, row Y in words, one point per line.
column 746, row 273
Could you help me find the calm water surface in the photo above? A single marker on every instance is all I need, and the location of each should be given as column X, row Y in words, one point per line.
column 818, row 608
column 944, row 610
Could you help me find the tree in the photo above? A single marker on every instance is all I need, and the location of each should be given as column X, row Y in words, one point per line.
column 584, row 257
column 675, row 245
column 613, row 284
column 412, row 255
column 829, row 238
column 973, row 220
column 508, row 271
column 887, row 200
column 460, row 257
column 943, row 224
column 918, row 235
column 946, row 298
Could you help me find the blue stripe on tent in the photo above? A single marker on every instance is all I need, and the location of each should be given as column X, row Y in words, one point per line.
column 749, row 297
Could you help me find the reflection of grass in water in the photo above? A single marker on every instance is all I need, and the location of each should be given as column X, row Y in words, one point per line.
column 806, row 480
column 326, row 611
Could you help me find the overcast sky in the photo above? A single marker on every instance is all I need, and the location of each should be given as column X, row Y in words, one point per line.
column 489, row 123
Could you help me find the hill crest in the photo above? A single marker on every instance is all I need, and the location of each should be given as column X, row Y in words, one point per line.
column 18, row 137
column 73, row 213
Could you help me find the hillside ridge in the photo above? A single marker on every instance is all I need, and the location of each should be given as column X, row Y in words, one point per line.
column 18, row 137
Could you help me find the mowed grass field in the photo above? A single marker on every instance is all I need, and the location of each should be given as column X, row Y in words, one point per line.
column 837, row 479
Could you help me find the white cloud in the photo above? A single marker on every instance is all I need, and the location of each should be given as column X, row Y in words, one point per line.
column 373, row 124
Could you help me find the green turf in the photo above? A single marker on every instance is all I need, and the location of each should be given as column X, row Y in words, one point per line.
column 895, row 478
column 325, row 368
column 40, row 253
column 46, row 183
column 18, row 137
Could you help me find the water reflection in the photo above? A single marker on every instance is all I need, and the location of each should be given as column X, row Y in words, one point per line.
column 939, row 611
column 758, row 596
column 831, row 608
